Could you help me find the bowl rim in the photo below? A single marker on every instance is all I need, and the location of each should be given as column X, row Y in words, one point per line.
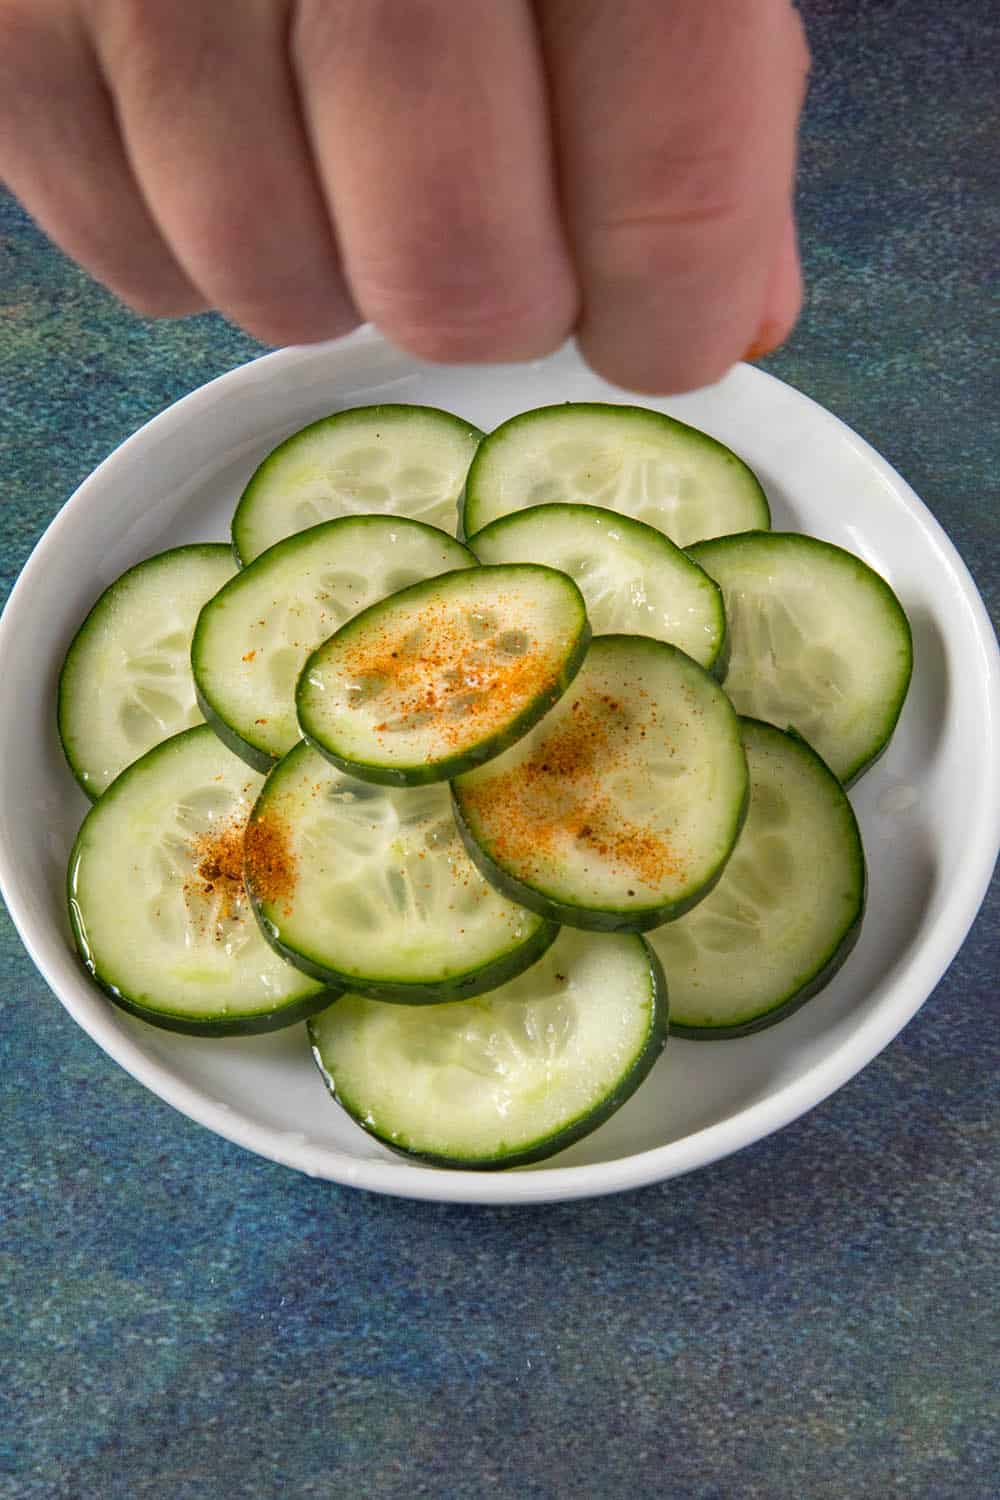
column 911, row 981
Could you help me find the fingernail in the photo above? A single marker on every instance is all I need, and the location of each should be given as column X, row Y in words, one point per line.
column 769, row 336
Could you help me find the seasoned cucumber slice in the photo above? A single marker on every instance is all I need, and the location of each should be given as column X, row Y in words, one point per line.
column 254, row 637
column 370, row 888
column 443, row 675
column 157, row 901
column 512, row 1077
column 632, row 577
column 818, row 642
column 627, row 458
column 788, row 908
column 126, row 681
column 620, row 809
column 400, row 460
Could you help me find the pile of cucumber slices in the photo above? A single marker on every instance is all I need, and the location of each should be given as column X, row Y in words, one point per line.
column 467, row 804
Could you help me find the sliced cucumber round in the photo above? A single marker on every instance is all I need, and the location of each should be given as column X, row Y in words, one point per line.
column 399, row 460
column 621, row 808
column 444, row 675
column 126, row 681
column 157, row 901
column 632, row 577
column 628, row 458
column 818, row 642
column 253, row 638
column 369, row 887
column 788, row 908
column 510, row 1078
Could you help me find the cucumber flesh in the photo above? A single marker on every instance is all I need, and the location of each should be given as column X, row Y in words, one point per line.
column 818, row 642
column 443, row 675
column 626, row 458
column 368, row 887
column 157, row 902
column 126, row 682
column 620, row 809
column 788, row 908
column 512, row 1077
column 632, row 577
column 253, row 638
column 391, row 459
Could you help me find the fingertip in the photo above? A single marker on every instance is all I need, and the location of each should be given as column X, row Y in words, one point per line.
column 166, row 302
column 280, row 326
column 657, row 369
column 495, row 327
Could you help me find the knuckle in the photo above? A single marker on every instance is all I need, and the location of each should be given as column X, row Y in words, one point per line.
column 158, row 55
column 669, row 256
column 665, row 190
column 28, row 42
column 18, row 35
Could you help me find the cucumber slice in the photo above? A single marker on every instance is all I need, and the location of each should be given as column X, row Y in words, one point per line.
column 444, row 675
column 252, row 640
column 510, row 1078
column 627, row 458
column 398, row 460
column 619, row 811
column 788, row 909
column 370, row 888
column 157, row 902
column 633, row 579
column 818, row 642
column 126, row 682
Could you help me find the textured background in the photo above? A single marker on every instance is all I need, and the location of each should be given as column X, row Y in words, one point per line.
column 811, row 1319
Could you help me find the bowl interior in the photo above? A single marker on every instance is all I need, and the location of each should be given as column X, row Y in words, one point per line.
column 928, row 810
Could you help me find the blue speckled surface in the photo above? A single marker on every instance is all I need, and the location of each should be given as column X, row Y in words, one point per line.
column 813, row 1319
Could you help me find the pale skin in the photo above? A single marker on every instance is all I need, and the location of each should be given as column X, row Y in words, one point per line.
column 479, row 178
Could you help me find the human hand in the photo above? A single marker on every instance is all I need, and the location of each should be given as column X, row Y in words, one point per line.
column 479, row 179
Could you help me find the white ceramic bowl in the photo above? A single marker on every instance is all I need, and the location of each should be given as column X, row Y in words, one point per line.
column 929, row 810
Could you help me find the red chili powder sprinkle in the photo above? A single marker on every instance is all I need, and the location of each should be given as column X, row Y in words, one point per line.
column 529, row 813
column 440, row 671
column 249, row 656
column 219, row 870
column 271, row 865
